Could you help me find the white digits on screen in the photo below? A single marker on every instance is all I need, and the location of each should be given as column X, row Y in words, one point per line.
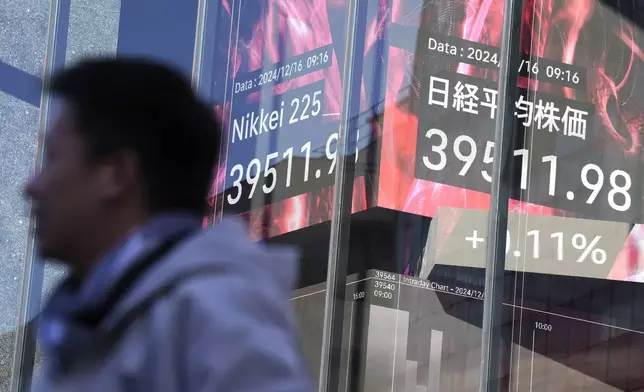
column 596, row 187
column 316, row 103
column 331, row 155
column 306, row 100
column 622, row 190
column 552, row 178
column 306, row 150
column 357, row 145
column 469, row 158
column 288, row 155
column 438, row 149
column 535, row 242
column 252, row 175
column 270, row 171
column 523, row 153
column 559, row 237
column 237, row 183
column 488, row 157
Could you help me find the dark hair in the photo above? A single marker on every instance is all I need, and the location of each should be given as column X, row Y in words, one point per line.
column 149, row 108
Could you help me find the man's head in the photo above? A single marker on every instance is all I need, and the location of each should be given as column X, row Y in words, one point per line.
column 131, row 140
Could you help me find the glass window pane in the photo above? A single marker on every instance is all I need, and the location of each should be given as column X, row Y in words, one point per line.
column 23, row 35
column 421, row 111
column 273, row 70
column 574, row 264
column 90, row 28
column 415, row 284
column 17, row 150
column 93, row 28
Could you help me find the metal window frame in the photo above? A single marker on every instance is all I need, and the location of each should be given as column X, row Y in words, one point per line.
column 497, row 218
column 31, row 284
column 343, row 185
column 499, row 198
column 340, row 221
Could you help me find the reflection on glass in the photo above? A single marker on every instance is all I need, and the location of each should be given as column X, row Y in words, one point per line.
column 280, row 98
column 278, row 93
column 422, row 140
column 571, row 301
column 402, row 333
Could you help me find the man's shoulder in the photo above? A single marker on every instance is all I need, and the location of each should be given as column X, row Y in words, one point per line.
column 231, row 322
column 224, row 256
column 231, row 312
column 212, row 271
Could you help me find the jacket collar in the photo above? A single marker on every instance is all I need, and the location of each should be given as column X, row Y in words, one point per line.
column 59, row 332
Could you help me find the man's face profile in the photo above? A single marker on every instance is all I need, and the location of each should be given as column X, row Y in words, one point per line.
column 64, row 193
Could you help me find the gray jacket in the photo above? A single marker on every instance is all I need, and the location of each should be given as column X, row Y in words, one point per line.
column 225, row 326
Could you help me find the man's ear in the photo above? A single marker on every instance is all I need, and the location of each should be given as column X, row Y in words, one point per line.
column 118, row 174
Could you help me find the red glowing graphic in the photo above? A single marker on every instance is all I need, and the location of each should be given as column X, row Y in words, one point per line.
column 572, row 31
column 284, row 30
column 583, row 33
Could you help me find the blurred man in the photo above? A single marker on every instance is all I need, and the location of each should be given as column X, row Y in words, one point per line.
column 152, row 302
